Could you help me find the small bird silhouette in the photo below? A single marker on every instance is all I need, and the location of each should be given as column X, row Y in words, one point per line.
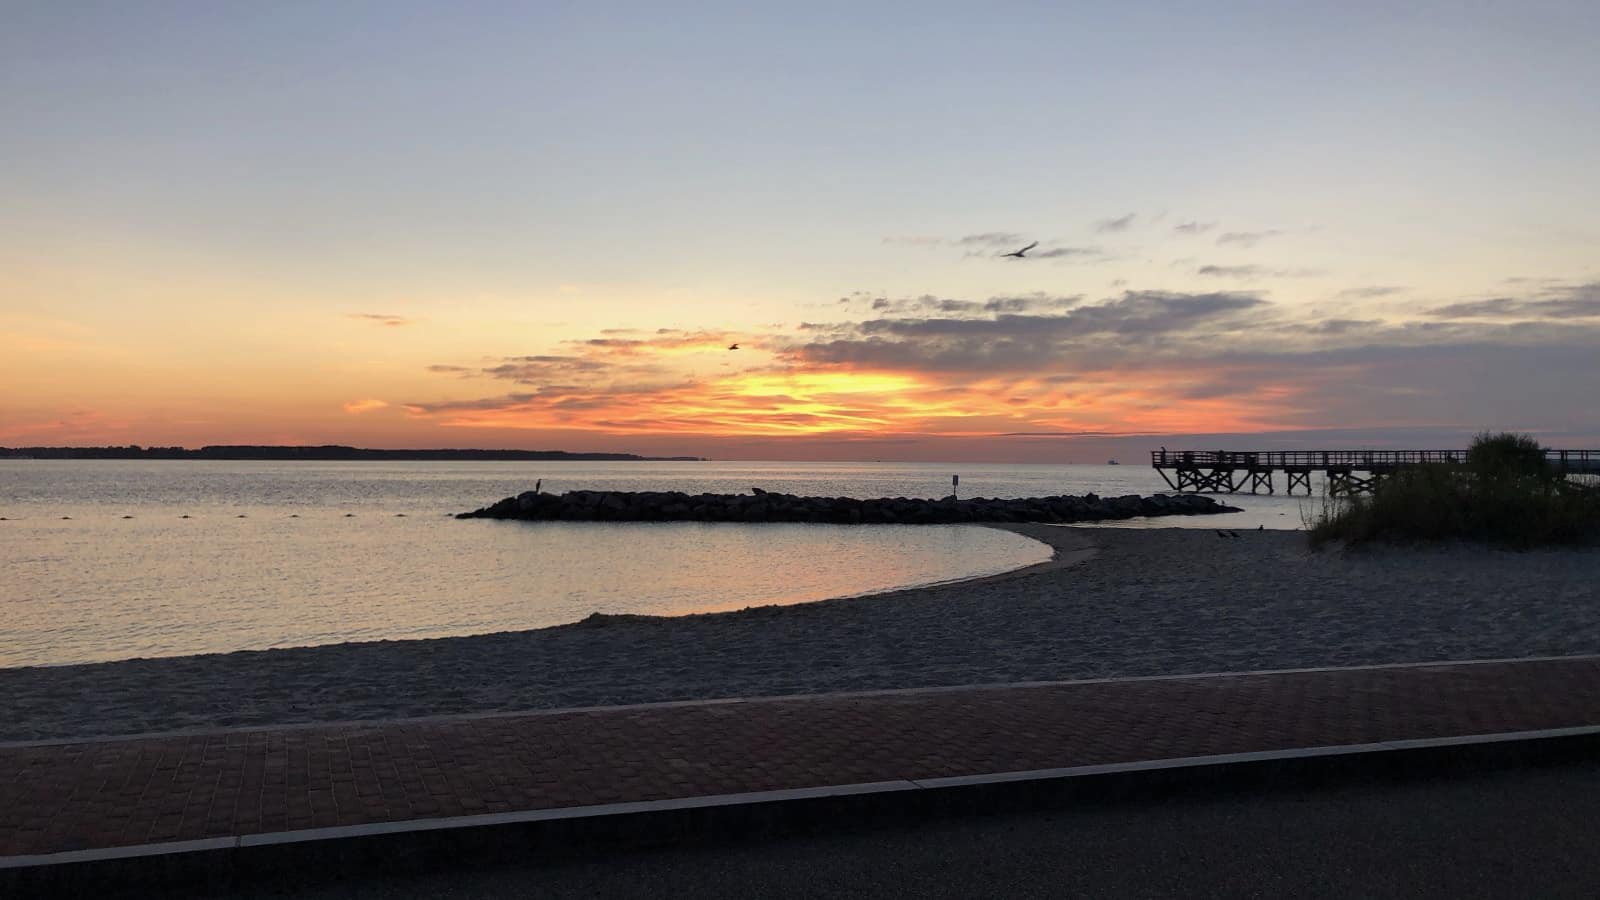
column 1020, row 254
column 733, row 346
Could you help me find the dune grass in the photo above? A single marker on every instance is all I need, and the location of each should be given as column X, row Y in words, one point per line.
column 1505, row 493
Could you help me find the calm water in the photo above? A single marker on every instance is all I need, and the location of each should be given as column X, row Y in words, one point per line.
column 296, row 554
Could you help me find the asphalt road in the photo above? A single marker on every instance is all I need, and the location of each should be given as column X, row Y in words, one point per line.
column 1519, row 833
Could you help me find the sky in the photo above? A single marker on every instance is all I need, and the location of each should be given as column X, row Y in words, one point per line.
column 543, row 225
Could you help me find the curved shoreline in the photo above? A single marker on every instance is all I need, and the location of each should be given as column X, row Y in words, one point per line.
column 1065, row 551
column 712, row 608
column 425, row 579
column 1137, row 603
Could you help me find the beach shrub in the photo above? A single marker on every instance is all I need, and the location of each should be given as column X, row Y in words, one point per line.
column 1505, row 493
column 1494, row 458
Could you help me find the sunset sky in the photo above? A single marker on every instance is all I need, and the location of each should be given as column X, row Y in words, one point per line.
column 541, row 225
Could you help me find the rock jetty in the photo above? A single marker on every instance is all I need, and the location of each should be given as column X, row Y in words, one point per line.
column 765, row 506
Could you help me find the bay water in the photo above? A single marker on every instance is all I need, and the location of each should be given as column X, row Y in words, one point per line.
column 115, row 559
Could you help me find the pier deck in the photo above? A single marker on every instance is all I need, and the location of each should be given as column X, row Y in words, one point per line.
column 1347, row 471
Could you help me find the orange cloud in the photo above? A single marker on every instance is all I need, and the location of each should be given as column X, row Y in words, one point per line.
column 357, row 407
column 1142, row 361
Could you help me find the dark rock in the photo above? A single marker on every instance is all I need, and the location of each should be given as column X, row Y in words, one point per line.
column 766, row 506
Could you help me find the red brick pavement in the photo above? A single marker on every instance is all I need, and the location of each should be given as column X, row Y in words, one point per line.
column 72, row 796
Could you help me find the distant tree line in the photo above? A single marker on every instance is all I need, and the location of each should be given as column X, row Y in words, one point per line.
column 323, row 452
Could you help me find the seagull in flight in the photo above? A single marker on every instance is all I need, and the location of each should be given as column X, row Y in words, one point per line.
column 1020, row 254
column 733, row 346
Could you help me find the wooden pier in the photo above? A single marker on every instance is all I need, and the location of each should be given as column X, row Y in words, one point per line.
column 1347, row 471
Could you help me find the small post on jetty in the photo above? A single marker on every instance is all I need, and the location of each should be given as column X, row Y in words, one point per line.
column 955, row 482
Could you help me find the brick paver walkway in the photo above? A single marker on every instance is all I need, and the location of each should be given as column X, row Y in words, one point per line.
column 70, row 796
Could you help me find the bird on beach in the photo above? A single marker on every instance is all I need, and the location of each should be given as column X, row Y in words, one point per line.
column 1020, row 254
column 1222, row 534
column 733, row 346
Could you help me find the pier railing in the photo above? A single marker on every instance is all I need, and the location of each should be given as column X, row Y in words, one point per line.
column 1369, row 460
column 1232, row 470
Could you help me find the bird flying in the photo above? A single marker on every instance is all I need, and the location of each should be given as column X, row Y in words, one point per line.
column 733, row 346
column 1020, row 254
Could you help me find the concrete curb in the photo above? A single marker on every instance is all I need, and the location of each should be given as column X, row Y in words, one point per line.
column 417, row 845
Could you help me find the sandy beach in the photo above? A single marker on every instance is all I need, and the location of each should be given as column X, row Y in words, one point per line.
column 1113, row 603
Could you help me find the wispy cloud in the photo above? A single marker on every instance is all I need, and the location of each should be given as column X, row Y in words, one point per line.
column 927, row 304
column 1245, row 239
column 383, row 319
column 1249, row 273
column 1084, row 253
column 1112, row 226
column 995, row 244
column 1579, row 301
column 357, row 407
column 1333, row 326
column 1232, row 271
column 992, row 239
column 1193, row 228
column 1367, row 293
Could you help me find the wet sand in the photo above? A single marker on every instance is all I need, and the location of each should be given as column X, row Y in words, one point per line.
column 1113, row 603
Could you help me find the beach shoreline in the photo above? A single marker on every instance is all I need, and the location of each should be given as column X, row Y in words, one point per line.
column 1065, row 551
column 1109, row 603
